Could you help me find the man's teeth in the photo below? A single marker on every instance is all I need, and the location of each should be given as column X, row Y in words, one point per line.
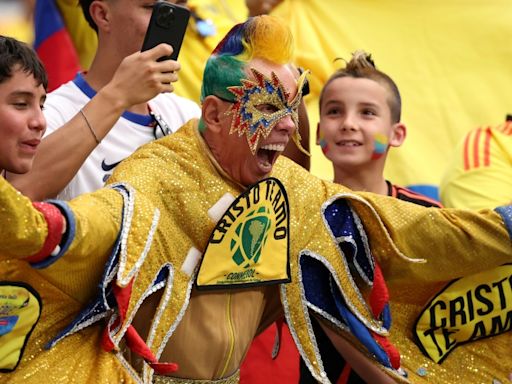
column 274, row 147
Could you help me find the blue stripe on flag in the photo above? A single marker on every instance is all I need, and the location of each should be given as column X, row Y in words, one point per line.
column 47, row 20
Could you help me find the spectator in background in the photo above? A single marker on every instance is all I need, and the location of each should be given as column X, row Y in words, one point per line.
column 360, row 110
column 103, row 115
column 479, row 174
column 23, row 83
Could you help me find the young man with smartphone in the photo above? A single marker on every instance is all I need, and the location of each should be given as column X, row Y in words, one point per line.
column 102, row 116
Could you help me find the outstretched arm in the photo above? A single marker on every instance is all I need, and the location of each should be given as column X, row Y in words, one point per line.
column 138, row 79
column 68, row 243
column 360, row 363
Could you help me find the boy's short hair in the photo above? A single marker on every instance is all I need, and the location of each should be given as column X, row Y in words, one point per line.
column 16, row 53
column 362, row 66
column 86, row 4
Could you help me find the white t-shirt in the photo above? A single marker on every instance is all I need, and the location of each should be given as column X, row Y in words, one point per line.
column 129, row 133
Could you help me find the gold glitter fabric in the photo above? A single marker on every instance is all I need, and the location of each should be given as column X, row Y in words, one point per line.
column 188, row 183
column 162, row 216
column 16, row 214
column 233, row 379
column 420, row 250
column 64, row 289
column 206, row 333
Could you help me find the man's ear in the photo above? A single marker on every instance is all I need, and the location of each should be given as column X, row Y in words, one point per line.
column 213, row 113
column 398, row 135
column 99, row 11
column 317, row 133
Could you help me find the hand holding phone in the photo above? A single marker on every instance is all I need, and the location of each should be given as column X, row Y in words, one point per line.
column 168, row 24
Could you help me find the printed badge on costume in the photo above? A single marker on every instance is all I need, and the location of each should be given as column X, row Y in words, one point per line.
column 250, row 243
column 20, row 308
column 468, row 309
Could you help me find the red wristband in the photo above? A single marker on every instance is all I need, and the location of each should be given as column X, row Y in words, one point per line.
column 55, row 223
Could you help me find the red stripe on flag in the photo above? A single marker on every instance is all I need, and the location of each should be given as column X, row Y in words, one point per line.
column 476, row 160
column 466, row 152
column 487, row 147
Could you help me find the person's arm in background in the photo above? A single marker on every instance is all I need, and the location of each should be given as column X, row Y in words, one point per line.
column 138, row 79
column 369, row 372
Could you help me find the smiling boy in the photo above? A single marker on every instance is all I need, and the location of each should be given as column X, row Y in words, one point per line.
column 360, row 121
column 23, row 85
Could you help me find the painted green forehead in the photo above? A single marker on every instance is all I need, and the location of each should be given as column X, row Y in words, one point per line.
column 248, row 119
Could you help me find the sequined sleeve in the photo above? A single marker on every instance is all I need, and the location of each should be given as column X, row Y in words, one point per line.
column 24, row 229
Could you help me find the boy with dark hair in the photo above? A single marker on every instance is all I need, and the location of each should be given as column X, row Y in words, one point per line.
column 23, row 83
column 123, row 101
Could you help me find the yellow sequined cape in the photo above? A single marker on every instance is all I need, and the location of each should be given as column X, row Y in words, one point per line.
column 171, row 184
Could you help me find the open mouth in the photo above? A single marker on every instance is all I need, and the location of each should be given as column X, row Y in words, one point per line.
column 267, row 155
column 348, row 143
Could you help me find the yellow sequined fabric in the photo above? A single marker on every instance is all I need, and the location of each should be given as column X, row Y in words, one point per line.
column 445, row 244
column 174, row 182
column 233, row 379
column 24, row 229
column 64, row 288
column 188, row 184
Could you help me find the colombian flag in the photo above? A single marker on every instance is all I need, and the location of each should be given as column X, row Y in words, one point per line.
column 53, row 44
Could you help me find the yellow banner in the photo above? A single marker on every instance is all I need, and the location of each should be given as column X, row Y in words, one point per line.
column 466, row 310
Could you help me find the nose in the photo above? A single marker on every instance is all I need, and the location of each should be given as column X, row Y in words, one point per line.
column 286, row 125
column 349, row 124
column 37, row 120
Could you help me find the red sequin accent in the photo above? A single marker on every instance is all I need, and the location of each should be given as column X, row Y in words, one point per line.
column 133, row 340
column 55, row 223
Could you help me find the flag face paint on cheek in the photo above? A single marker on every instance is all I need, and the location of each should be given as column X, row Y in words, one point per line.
column 380, row 146
column 323, row 144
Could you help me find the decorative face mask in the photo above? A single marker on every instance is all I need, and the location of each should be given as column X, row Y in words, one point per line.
column 257, row 123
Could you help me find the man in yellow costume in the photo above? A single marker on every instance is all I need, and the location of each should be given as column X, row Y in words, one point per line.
column 205, row 237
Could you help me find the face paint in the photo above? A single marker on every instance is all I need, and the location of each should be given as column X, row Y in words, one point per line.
column 253, row 122
column 323, row 144
column 380, row 146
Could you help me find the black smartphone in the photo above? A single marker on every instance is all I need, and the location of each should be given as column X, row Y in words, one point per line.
column 168, row 24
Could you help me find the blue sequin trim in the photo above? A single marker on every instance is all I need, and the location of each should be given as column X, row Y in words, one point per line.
column 506, row 213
